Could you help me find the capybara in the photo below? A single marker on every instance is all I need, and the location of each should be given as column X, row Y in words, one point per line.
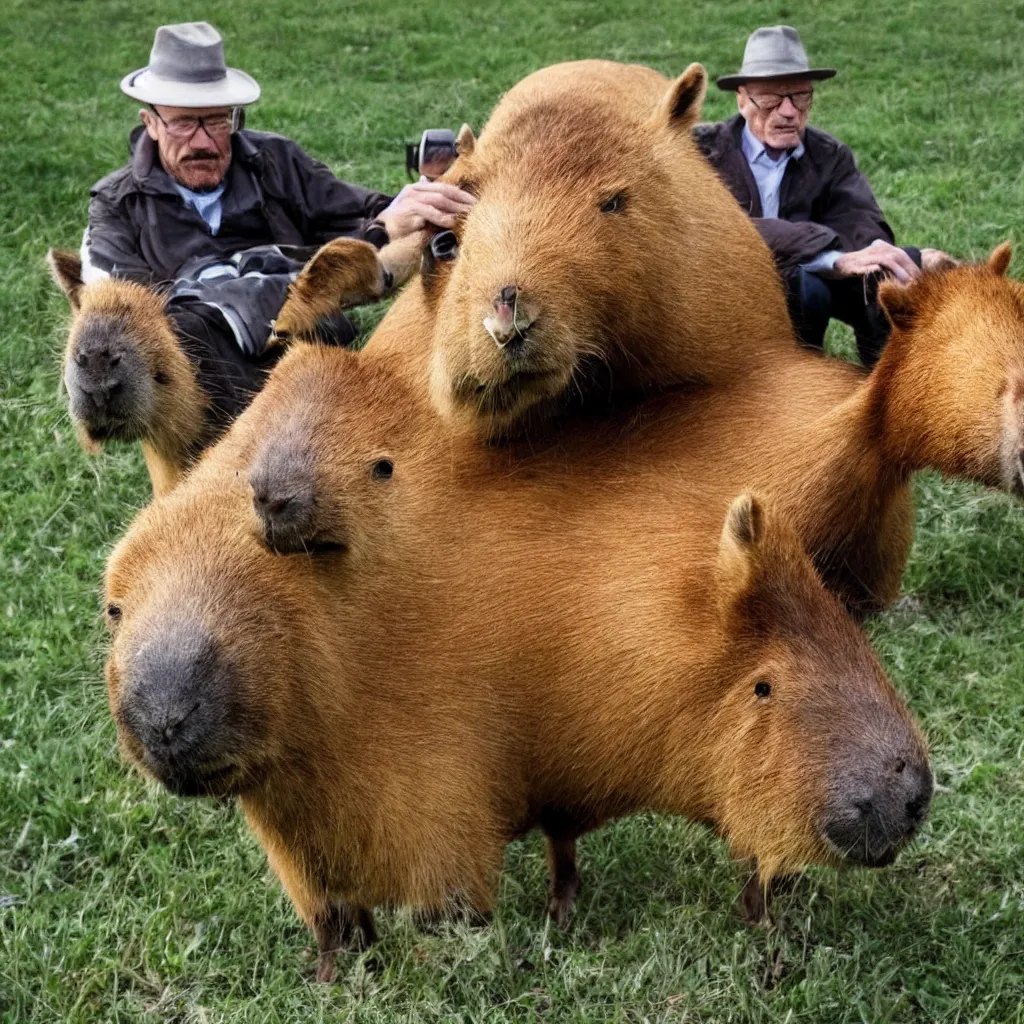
column 603, row 254
column 462, row 648
column 834, row 446
column 131, row 377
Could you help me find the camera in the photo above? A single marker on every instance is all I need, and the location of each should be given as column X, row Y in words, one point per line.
column 432, row 155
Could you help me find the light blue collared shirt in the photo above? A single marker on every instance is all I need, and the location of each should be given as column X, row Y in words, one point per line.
column 206, row 204
column 768, row 174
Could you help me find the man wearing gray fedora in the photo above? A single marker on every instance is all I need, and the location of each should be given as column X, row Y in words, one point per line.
column 813, row 207
column 227, row 214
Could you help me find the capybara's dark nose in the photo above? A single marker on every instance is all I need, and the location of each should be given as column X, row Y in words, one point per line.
column 283, row 481
column 108, row 384
column 507, row 295
column 175, row 702
column 869, row 820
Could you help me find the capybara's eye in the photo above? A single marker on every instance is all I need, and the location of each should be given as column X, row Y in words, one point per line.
column 615, row 204
column 383, row 469
column 160, row 377
column 444, row 245
column 114, row 612
column 762, row 689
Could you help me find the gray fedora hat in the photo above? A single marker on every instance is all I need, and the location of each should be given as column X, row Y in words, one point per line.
column 774, row 52
column 186, row 69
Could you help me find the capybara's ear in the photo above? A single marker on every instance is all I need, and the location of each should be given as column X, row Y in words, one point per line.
column 465, row 141
column 742, row 537
column 681, row 106
column 900, row 303
column 999, row 259
column 66, row 270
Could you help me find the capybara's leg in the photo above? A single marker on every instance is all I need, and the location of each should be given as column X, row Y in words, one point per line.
column 565, row 879
column 344, row 272
column 757, row 897
column 335, row 930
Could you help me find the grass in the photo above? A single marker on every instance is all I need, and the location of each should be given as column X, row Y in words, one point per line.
column 120, row 903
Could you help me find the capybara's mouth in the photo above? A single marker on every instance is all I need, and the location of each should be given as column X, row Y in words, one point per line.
column 862, row 855
column 112, row 430
column 189, row 781
column 509, row 395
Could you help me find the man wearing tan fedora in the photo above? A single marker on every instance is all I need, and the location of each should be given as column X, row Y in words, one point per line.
column 225, row 213
column 813, row 207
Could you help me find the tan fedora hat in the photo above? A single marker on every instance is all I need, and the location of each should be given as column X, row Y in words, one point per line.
column 773, row 52
column 186, row 69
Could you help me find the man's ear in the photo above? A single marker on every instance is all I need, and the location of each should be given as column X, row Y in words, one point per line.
column 999, row 258
column 465, row 141
column 739, row 548
column 900, row 302
column 680, row 107
column 66, row 270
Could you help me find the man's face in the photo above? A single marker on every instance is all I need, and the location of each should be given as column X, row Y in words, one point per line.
column 199, row 161
column 781, row 127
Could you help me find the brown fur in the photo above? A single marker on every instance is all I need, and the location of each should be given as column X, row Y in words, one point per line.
column 342, row 273
column 171, row 420
column 833, row 446
column 634, row 266
column 491, row 646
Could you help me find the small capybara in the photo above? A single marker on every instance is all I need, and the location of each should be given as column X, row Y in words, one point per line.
column 400, row 649
column 130, row 377
column 603, row 253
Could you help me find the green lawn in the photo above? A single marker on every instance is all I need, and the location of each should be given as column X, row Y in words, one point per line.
column 118, row 902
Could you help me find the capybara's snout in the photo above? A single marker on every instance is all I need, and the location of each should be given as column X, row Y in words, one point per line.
column 283, row 481
column 108, row 383
column 879, row 795
column 176, row 702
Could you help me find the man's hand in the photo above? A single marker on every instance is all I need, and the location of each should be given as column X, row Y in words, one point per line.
column 423, row 203
column 877, row 256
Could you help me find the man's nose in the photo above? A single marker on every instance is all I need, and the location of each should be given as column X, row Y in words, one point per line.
column 202, row 133
column 787, row 108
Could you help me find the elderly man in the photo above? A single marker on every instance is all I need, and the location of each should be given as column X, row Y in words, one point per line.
column 814, row 209
column 226, row 214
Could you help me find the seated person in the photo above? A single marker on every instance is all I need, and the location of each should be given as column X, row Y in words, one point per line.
column 229, row 215
column 813, row 208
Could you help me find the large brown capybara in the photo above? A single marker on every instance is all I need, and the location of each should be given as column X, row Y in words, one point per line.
column 461, row 648
column 130, row 377
column 603, row 255
column 833, row 446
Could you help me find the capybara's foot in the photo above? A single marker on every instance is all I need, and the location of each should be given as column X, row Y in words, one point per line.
column 565, row 880
column 344, row 272
column 563, row 900
column 757, row 899
column 340, row 928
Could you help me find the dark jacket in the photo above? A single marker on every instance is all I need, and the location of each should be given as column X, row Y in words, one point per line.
column 141, row 228
column 824, row 202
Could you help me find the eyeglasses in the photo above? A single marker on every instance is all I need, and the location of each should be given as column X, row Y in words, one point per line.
column 215, row 125
column 769, row 101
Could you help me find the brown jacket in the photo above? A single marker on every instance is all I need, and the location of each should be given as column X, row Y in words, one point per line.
column 141, row 228
column 824, row 202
